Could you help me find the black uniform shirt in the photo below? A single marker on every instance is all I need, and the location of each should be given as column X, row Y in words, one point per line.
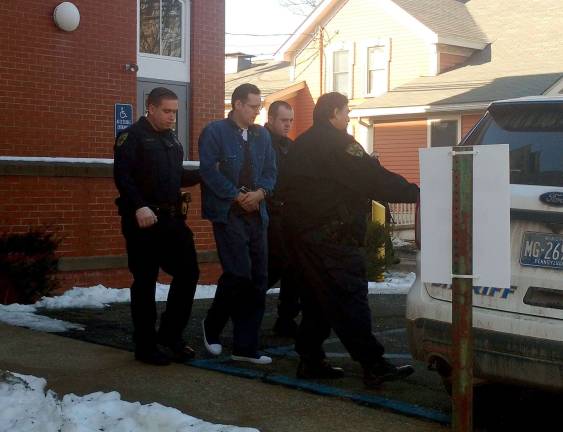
column 148, row 167
column 328, row 177
column 281, row 145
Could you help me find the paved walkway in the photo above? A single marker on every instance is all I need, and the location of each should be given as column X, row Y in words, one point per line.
column 72, row 366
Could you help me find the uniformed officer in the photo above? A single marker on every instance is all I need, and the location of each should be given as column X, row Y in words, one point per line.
column 325, row 184
column 280, row 119
column 148, row 174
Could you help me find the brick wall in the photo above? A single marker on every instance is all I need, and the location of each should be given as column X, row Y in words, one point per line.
column 207, row 66
column 58, row 89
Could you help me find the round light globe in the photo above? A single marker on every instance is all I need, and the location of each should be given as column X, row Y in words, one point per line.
column 66, row 16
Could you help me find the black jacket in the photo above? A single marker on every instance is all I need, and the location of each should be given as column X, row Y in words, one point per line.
column 281, row 145
column 328, row 178
column 148, row 168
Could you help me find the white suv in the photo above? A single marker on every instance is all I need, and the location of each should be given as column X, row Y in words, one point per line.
column 518, row 330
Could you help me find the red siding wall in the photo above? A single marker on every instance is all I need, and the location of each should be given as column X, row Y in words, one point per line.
column 468, row 121
column 397, row 143
column 450, row 61
column 303, row 105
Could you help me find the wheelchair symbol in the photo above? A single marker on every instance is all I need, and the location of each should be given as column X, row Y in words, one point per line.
column 122, row 114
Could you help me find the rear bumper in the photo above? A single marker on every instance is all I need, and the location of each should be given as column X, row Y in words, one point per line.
column 498, row 357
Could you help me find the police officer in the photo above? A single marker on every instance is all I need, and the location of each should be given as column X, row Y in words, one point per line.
column 280, row 120
column 148, row 174
column 325, row 184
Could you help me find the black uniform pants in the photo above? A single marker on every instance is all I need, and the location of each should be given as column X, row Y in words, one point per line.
column 333, row 292
column 168, row 245
column 280, row 269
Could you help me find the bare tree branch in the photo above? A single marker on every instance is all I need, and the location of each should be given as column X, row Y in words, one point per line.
column 300, row 7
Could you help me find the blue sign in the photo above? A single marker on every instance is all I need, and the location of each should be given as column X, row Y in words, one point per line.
column 123, row 117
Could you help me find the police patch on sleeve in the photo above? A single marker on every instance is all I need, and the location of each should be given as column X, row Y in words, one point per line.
column 355, row 149
column 121, row 139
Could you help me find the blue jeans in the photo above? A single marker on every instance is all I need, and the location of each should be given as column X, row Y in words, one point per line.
column 242, row 246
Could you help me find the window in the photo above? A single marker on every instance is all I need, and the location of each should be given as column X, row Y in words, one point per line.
column 161, row 27
column 534, row 133
column 376, row 70
column 444, row 133
column 340, row 72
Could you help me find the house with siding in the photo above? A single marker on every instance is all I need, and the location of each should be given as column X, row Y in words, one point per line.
column 420, row 73
column 273, row 80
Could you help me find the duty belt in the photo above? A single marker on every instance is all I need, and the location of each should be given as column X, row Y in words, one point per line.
column 165, row 209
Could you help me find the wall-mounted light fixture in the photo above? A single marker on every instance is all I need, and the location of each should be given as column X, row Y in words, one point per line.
column 66, row 16
column 131, row 67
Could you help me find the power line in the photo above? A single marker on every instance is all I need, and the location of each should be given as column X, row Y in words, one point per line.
column 267, row 35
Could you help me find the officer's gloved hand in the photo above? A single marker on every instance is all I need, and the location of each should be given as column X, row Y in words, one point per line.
column 145, row 217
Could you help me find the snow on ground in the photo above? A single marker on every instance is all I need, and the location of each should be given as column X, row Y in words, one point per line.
column 394, row 283
column 25, row 316
column 397, row 242
column 99, row 296
column 25, row 406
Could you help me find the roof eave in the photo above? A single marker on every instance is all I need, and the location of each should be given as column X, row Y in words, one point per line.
column 461, row 42
column 303, row 32
column 420, row 109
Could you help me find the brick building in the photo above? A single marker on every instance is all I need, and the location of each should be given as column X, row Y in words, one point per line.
column 59, row 91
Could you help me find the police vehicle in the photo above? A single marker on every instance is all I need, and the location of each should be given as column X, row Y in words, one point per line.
column 518, row 329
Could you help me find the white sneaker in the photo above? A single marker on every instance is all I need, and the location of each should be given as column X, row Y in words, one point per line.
column 215, row 348
column 262, row 360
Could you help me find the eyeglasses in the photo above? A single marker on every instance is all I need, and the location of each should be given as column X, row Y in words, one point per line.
column 255, row 107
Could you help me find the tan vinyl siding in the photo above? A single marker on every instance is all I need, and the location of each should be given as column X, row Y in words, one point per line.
column 362, row 20
column 397, row 143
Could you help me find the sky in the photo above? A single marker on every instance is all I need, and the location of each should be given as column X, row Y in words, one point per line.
column 261, row 17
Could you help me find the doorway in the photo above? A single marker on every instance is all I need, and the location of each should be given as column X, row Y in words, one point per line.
column 144, row 87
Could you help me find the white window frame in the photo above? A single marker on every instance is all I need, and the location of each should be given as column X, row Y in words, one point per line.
column 329, row 62
column 364, row 46
column 161, row 67
column 433, row 119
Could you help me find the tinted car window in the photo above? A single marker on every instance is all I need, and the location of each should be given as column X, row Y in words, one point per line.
column 535, row 136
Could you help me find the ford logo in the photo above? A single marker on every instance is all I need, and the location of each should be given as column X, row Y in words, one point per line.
column 552, row 198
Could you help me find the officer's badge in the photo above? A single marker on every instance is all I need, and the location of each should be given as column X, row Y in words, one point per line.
column 121, row 139
column 355, row 149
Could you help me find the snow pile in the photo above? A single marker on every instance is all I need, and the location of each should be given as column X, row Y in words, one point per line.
column 25, row 316
column 99, row 296
column 397, row 242
column 26, row 407
column 394, row 283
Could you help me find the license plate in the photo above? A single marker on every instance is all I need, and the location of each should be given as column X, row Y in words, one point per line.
column 542, row 250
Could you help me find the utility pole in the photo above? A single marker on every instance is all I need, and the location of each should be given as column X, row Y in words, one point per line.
column 462, row 289
column 321, row 58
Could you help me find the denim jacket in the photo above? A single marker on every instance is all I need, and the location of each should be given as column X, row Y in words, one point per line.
column 221, row 156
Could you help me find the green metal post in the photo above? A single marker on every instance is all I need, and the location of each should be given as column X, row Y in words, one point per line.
column 462, row 290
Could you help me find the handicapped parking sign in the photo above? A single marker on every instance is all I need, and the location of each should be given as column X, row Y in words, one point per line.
column 123, row 117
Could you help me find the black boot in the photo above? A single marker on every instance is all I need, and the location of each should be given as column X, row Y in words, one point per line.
column 152, row 356
column 377, row 373
column 318, row 369
column 178, row 351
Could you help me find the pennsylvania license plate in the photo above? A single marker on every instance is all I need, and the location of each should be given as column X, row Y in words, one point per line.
column 542, row 250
